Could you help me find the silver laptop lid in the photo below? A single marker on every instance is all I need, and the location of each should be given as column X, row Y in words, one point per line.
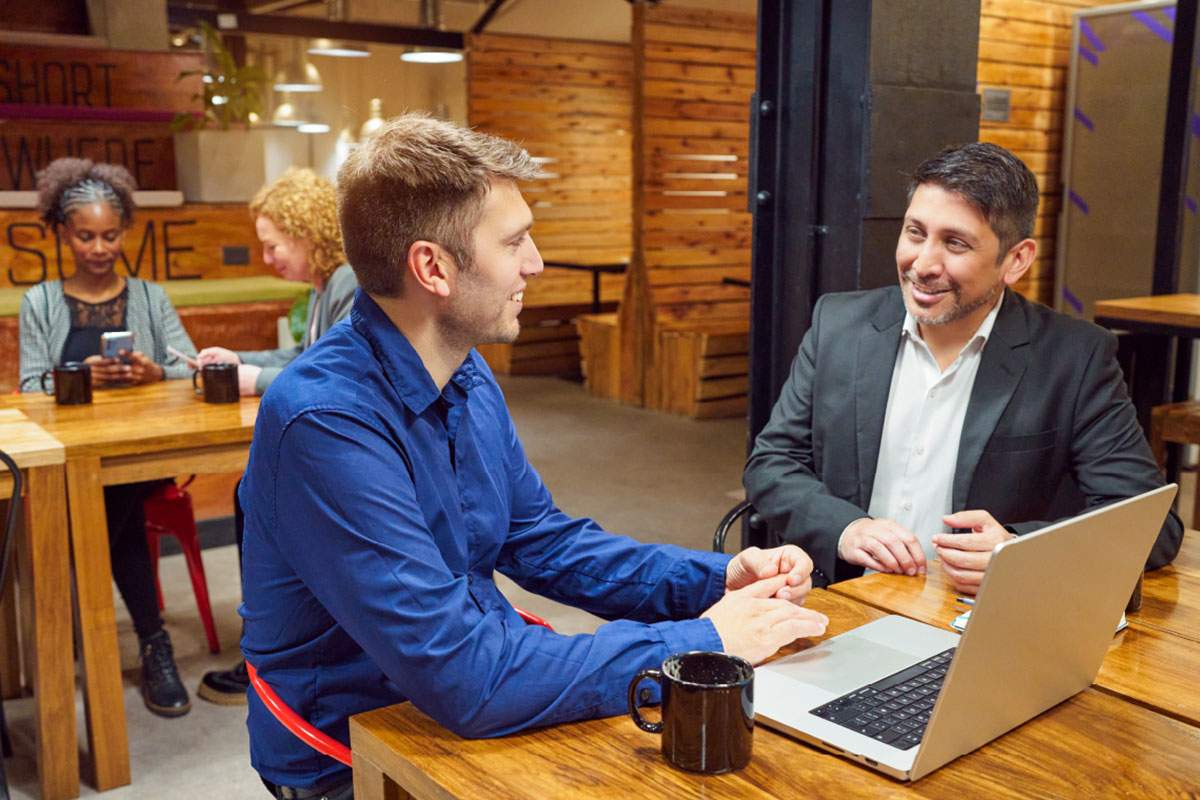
column 1042, row 623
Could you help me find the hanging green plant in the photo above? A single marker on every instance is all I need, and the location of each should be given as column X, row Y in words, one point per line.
column 231, row 92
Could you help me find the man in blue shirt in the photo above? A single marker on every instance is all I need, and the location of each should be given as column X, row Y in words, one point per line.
column 386, row 485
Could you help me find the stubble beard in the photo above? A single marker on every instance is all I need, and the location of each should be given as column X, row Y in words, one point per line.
column 957, row 310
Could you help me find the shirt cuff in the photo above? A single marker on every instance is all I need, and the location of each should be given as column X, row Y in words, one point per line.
column 714, row 586
column 692, row 634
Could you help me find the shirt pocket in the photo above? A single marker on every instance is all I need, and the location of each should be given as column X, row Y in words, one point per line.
column 1022, row 443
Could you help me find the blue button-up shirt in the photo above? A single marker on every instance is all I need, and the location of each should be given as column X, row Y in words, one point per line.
column 377, row 510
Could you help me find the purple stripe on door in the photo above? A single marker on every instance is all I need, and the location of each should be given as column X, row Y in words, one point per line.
column 1156, row 27
column 1073, row 301
column 1090, row 35
column 1078, row 201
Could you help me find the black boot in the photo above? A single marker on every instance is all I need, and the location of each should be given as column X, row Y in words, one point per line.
column 226, row 687
column 162, row 691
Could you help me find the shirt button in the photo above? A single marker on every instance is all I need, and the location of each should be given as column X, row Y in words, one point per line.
column 907, row 506
column 920, row 451
column 933, row 392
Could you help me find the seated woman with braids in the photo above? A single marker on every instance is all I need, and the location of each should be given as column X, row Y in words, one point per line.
column 90, row 206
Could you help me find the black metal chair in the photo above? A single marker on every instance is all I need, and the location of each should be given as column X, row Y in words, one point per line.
column 758, row 531
column 12, row 519
column 755, row 521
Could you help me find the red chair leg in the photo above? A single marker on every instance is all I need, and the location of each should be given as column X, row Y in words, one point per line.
column 191, row 552
column 152, row 534
column 169, row 512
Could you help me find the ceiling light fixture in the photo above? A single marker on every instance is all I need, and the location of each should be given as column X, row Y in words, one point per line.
column 338, row 12
column 431, row 19
column 299, row 75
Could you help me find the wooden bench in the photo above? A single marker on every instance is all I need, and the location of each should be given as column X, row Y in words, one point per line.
column 600, row 354
column 704, row 367
column 238, row 313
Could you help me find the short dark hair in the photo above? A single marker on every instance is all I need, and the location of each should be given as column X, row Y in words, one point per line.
column 993, row 180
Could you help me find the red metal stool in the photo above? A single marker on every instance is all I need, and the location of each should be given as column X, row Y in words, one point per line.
column 169, row 513
column 304, row 730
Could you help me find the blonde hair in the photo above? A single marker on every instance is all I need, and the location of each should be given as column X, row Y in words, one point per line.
column 419, row 178
column 303, row 205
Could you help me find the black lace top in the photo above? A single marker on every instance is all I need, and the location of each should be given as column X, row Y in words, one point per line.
column 88, row 321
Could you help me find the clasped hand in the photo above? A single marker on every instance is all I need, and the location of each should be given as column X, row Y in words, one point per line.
column 761, row 609
column 965, row 556
column 887, row 546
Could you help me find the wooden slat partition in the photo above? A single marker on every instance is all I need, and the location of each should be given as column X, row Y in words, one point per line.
column 694, row 74
column 570, row 103
column 1024, row 46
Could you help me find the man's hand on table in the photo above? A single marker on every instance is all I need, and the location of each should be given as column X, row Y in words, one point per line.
column 882, row 545
column 753, row 622
column 965, row 556
column 755, row 564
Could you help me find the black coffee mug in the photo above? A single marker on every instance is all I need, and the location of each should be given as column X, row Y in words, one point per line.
column 72, row 383
column 220, row 383
column 707, row 710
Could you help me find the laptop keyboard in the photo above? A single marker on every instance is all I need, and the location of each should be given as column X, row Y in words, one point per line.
column 894, row 710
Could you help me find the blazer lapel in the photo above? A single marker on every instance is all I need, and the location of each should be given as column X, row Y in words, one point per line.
column 1004, row 359
column 874, row 363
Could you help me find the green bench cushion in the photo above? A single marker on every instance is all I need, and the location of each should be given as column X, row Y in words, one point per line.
column 205, row 292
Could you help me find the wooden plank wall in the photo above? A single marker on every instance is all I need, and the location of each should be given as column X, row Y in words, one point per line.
column 1024, row 46
column 570, row 103
column 695, row 72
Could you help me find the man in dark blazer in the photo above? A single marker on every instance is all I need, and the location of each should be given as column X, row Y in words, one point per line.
column 942, row 416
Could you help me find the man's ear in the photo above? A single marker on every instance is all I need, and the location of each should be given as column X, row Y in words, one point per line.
column 1018, row 260
column 427, row 266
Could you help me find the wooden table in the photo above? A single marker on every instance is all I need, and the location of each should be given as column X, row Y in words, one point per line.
column 1154, row 662
column 44, row 564
column 131, row 434
column 1094, row 744
column 1153, row 323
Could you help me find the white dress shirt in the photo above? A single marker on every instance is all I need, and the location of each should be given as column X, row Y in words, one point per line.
column 914, row 477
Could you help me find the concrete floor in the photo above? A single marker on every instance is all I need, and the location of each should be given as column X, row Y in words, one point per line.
column 656, row 477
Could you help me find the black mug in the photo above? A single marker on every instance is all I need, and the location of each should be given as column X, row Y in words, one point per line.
column 220, row 383
column 72, row 383
column 707, row 710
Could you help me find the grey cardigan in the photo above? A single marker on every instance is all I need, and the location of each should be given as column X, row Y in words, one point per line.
column 325, row 307
column 45, row 322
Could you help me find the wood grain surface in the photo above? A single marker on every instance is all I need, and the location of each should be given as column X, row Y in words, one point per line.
column 1089, row 746
column 1182, row 310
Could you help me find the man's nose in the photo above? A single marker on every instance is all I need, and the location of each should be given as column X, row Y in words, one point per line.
column 928, row 260
column 533, row 264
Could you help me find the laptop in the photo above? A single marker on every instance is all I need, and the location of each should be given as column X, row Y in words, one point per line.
column 906, row 698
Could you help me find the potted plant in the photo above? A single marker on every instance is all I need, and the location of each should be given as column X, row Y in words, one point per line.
column 219, row 156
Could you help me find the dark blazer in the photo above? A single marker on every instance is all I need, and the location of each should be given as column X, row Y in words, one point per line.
column 1048, row 408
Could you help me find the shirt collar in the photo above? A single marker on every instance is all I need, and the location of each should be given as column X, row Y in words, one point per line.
column 401, row 364
column 981, row 333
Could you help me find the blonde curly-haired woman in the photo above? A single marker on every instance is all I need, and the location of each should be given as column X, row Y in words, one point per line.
column 296, row 220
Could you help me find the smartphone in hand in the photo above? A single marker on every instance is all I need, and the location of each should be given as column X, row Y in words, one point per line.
column 113, row 342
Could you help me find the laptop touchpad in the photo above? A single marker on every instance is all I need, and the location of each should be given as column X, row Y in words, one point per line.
column 844, row 663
